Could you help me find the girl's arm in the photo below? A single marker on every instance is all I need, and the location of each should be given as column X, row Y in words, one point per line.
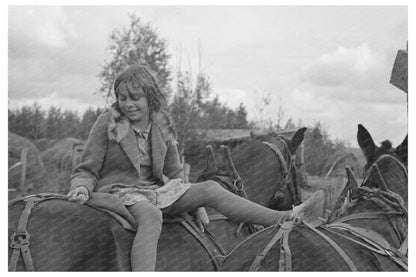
column 86, row 172
column 173, row 168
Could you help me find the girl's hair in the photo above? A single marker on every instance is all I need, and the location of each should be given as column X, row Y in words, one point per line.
column 139, row 76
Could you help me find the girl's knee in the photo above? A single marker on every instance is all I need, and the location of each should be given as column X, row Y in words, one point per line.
column 145, row 212
column 212, row 188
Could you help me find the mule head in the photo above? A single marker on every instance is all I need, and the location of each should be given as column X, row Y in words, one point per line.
column 289, row 194
column 386, row 167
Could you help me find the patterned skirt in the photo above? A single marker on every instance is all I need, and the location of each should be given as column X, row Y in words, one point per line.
column 161, row 196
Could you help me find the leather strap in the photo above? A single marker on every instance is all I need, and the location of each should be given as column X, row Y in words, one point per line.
column 370, row 236
column 341, row 252
column 205, row 240
column 285, row 262
column 279, row 154
column 255, row 266
column 285, row 252
column 287, row 166
column 396, row 256
column 216, row 242
column 20, row 239
column 368, row 215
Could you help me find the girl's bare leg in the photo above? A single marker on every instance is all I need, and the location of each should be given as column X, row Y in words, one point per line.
column 144, row 248
column 211, row 194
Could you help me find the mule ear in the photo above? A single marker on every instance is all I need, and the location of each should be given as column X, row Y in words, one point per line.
column 366, row 142
column 297, row 139
column 401, row 150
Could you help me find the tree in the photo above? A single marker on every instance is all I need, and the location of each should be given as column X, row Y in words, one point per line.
column 27, row 121
column 54, row 127
column 241, row 117
column 319, row 148
column 71, row 122
column 37, row 121
column 264, row 103
column 88, row 119
column 137, row 44
column 290, row 124
column 184, row 108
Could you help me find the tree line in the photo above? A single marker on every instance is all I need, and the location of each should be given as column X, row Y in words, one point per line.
column 34, row 123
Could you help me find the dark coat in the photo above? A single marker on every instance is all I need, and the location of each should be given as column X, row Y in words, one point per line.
column 111, row 155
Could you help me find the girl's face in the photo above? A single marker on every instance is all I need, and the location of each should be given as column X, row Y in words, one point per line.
column 133, row 104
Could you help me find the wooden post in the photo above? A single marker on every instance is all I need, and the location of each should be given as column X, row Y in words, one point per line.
column 186, row 171
column 302, row 153
column 23, row 157
column 325, row 203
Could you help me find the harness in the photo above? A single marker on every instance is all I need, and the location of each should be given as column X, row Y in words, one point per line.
column 19, row 240
column 285, row 260
column 229, row 178
column 281, row 237
column 375, row 166
column 206, row 239
column 287, row 169
column 363, row 237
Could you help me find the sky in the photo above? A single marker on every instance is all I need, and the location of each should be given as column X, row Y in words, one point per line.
column 316, row 63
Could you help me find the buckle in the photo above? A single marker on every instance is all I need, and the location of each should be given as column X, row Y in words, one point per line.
column 19, row 239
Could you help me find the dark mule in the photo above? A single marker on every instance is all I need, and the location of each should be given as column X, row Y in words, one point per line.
column 368, row 232
column 65, row 236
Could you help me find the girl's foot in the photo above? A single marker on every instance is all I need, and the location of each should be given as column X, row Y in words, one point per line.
column 310, row 210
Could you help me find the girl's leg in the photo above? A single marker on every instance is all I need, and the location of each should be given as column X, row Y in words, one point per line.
column 144, row 248
column 211, row 194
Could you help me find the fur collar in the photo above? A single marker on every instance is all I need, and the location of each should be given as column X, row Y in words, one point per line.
column 119, row 126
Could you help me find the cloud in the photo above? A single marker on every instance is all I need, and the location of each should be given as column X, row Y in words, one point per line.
column 48, row 27
column 341, row 67
column 46, row 54
column 352, row 74
column 341, row 117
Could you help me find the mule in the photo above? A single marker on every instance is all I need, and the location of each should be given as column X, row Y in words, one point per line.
column 366, row 232
column 65, row 236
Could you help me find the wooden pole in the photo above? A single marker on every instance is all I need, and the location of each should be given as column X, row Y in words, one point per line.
column 186, row 171
column 23, row 157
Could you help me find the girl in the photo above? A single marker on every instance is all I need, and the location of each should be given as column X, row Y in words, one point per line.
column 131, row 153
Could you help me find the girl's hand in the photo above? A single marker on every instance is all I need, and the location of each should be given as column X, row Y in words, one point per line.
column 79, row 194
column 201, row 218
